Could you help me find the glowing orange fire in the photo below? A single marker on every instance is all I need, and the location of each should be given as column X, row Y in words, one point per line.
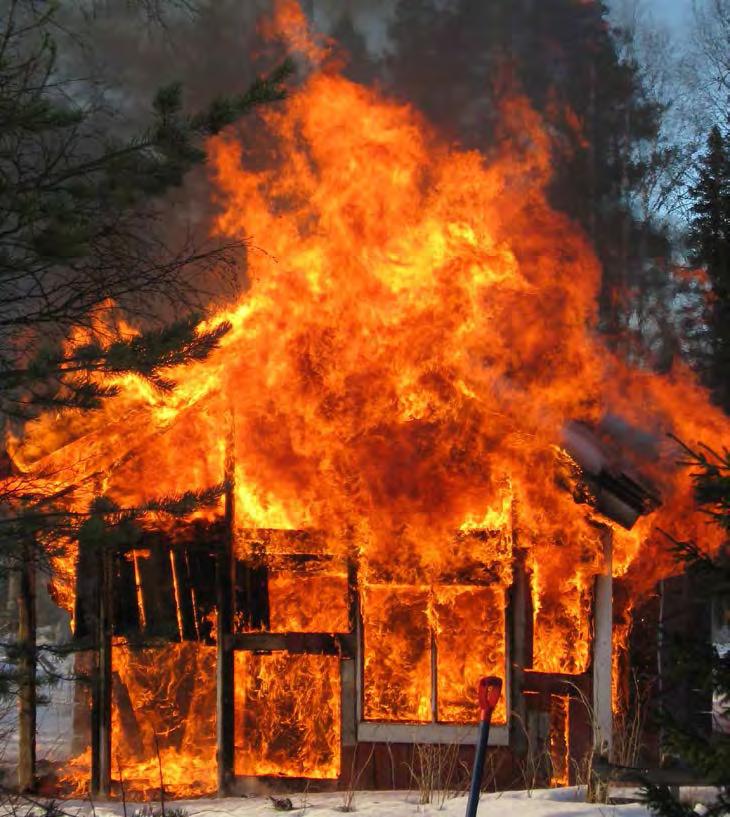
column 288, row 715
column 419, row 328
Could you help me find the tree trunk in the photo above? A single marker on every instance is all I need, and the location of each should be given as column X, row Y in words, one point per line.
column 27, row 672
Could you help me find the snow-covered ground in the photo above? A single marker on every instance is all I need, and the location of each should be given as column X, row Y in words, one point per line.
column 567, row 802
column 543, row 803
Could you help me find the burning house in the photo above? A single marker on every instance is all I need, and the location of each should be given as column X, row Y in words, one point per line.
column 426, row 479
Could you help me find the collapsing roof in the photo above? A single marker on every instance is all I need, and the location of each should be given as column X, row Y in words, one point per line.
column 615, row 489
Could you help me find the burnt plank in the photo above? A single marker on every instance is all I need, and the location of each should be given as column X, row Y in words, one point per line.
column 296, row 643
column 547, row 684
column 252, row 595
column 101, row 706
column 158, row 589
column 126, row 609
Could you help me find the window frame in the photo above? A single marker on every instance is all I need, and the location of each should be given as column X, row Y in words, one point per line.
column 433, row 732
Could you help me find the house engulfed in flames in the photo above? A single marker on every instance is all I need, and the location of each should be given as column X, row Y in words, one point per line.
column 427, row 477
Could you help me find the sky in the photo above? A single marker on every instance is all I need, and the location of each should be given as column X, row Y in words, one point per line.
column 672, row 12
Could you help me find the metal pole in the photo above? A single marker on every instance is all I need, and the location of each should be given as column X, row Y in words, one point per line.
column 490, row 690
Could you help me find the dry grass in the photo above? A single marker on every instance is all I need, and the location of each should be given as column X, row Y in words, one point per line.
column 435, row 771
column 596, row 788
column 630, row 724
column 627, row 740
column 348, row 795
column 535, row 768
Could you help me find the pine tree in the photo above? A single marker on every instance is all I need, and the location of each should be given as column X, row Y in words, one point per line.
column 82, row 243
column 701, row 664
column 80, row 231
column 710, row 245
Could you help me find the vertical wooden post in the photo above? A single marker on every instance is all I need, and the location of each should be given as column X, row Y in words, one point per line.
column 101, row 713
column 520, row 653
column 603, row 651
column 27, row 671
column 518, row 612
column 434, row 675
column 348, row 666
column 225, row 585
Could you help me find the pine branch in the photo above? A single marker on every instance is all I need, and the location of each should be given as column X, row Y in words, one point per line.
column 151, row 352
column 660, row 801
column 148, row 355
column 223, row 111
column 185, row 504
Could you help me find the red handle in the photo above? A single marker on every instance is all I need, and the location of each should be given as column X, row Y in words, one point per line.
column 490, row 690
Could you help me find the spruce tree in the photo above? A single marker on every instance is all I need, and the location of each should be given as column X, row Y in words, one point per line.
column 710, row 246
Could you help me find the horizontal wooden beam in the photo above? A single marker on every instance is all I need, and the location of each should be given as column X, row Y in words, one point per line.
column 637, row 775
column 432, row 733
column 341, row 644
column 547, row 683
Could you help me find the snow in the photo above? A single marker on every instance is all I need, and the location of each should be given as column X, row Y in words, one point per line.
column 567, row 802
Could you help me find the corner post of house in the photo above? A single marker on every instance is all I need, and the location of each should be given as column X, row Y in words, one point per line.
column 27, row 670
column 348, row 662
column 603, row 650
column 225, row 588
column 519, row 659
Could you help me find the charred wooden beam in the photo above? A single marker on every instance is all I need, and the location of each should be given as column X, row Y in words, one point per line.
column 201, row 579
column 353, row 595
column 158, row 589
column 348, row 668
column 285, row 542
column 190, row 601
column 128, row 612
column 252, row 594
column 546, row 684
column 341, row 644
column 518, row 613
column 101, row 705
column 348, row 703
column 637, row 775
column 225, row 673
column 303, row 563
